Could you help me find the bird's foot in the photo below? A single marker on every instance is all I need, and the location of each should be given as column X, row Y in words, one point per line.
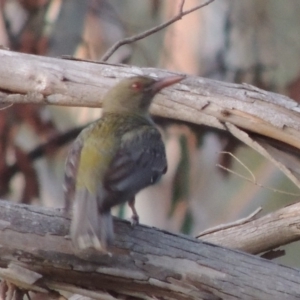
column 134, row 220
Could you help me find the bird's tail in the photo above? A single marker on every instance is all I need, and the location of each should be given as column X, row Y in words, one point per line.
column 89, row 227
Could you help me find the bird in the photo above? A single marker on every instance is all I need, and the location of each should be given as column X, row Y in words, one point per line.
column 112, row 159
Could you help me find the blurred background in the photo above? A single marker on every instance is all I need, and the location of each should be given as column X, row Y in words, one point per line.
column 252, row 41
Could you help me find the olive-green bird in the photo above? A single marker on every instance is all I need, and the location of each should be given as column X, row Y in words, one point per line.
column 113, row 159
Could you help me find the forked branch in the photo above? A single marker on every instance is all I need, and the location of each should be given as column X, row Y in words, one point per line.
column 155, row 29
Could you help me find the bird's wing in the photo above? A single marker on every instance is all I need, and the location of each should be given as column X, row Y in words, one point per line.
column 139, row 162
column 89, row 227
column 72, row 165
column 71, row 168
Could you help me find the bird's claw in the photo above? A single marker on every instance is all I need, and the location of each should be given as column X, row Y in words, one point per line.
column 134, row 220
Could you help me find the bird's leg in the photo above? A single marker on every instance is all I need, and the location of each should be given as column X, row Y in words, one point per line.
column 135, row 216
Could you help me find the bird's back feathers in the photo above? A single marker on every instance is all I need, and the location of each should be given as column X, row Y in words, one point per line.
column 139, row 162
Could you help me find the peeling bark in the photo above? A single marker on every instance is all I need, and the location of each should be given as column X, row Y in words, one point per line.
column 144, row 263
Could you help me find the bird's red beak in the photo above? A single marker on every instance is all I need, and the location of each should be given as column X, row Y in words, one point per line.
column 166, row 81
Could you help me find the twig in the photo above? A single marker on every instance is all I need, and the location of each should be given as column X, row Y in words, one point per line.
column 28, row 296
column 5, row 105
column 229, row 225
column 181, row 6
column 253, row 180
column 146, row 33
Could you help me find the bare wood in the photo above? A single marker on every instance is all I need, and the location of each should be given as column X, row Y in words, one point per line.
column 209, row 231
column 33, row 79
column 256, row 236
column 146, row 263
column 239, row 109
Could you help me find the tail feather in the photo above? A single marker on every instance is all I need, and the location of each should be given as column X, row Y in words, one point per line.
column 89, row 227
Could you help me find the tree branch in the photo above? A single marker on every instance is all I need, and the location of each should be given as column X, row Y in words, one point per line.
column 145, row 263
column 263, row 234
column 146, row 33
column 34, row 79
column 245, row 111
column 221, row 227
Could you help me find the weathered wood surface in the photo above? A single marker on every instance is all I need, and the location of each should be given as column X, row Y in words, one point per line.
column 28, row 78
column 243, row 110
column 260, row 234
column 145, row 262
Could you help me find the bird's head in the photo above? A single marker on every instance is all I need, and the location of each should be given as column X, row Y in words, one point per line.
column 135, row 94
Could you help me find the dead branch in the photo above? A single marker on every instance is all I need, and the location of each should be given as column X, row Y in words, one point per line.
column 155, row 29
column 145, row 263
column 242, row 110
column 34, row 79
column 209, row 231
column 263, row 234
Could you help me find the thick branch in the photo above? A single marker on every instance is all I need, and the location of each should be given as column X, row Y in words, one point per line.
column 239, row 109
column 146, row 263
column 32, row 79
column 250, row 114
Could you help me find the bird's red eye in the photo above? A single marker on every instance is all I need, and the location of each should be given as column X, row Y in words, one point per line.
column 137, row 86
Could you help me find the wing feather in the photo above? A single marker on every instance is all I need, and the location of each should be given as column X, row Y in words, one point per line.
column 90, row 227
column 71, row 168
column 140, row 161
